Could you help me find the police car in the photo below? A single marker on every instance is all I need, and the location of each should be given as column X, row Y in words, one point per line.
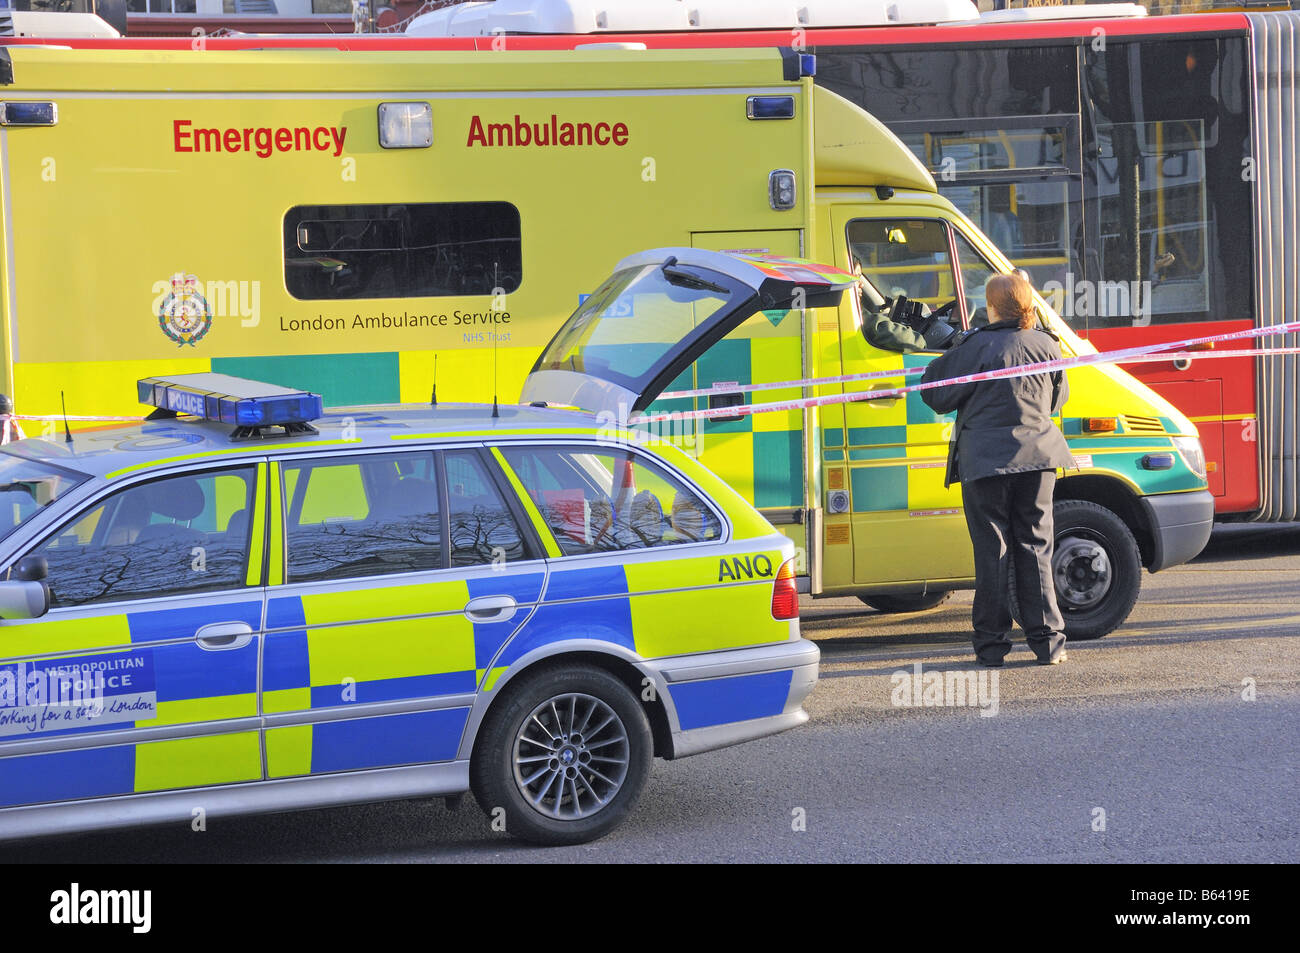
column 242, row 604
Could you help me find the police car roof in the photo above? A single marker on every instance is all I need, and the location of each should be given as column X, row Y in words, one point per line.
column 115, row 451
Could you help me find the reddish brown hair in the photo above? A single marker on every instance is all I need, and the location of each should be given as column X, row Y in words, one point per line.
column 1010, row 298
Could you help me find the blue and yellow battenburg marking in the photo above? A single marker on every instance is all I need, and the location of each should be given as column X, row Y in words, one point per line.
column 321, row 651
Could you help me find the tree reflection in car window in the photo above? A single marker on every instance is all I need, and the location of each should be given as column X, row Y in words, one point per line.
column 362, row 516
column 606, row 501
column 483, row 530
column 169, row 537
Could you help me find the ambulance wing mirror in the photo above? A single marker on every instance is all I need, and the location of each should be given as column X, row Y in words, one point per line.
column 23, row 600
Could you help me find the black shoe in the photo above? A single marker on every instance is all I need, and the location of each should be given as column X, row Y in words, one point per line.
column 1060, row 657
column 990, row 663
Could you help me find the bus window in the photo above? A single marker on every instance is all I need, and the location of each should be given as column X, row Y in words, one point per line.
column 1169, row 203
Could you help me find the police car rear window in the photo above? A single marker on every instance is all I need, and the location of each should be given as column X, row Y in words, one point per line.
column 597, row 501
column 28, row 486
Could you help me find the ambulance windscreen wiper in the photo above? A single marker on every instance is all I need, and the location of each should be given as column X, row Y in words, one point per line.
column 682, row 279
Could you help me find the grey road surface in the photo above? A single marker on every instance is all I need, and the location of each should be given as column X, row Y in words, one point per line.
column 1175, row 739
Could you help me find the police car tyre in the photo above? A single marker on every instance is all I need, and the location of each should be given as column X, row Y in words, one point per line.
column 907, row 602
column 1097, row 568
column 565, row 753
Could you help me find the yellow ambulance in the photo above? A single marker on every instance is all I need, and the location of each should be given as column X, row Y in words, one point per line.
column 375, row 226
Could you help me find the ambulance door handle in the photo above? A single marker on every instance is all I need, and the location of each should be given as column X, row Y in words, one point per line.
column 220, row 636
column 491, row 609
column 883, row 385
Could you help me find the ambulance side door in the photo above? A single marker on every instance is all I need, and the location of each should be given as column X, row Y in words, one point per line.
column 905, row 526
column 143, row 674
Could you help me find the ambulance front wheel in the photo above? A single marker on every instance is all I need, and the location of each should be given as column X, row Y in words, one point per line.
column 907, row 603
column 562, row 757
column 1097, row 569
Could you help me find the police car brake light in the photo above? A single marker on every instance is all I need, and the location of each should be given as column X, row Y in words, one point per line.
column 249, row 406
column 785, row 594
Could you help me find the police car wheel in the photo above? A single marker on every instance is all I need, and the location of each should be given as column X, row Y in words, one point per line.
column 1097, row 569
column 908, row 602
column 565, row 753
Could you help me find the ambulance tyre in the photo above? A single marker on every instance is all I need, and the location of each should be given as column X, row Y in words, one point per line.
column 907, row 603
column 1097, row 568
column 562, row 756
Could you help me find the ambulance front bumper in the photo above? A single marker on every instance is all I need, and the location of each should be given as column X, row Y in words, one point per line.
column 1180, row 526
column 728, row 697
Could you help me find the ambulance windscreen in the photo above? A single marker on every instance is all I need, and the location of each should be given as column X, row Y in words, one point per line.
column 630, row 327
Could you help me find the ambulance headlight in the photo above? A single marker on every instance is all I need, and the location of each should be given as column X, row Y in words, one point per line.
column 781, row 191
column 1193, row 454
column 405, row 125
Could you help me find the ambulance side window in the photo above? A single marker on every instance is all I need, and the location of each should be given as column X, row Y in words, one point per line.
column 975, row 271
column 598, row 501
column 483, row 528
column 169, row 537
column 905, row 256
column 424, row 250
column 352, row 517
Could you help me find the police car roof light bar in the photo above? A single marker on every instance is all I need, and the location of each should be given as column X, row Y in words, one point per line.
column 251, row 406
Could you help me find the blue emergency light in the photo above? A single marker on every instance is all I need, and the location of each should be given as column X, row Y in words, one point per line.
column 247, row 405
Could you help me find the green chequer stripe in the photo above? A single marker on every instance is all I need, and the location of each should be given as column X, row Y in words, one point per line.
column 877, row 436
column 918, row 412
column 879, row 488
column 778, row 465
column 342, row 380
column 833, row 436
column 876, row 453
column 1154, row 441
column 833, row 456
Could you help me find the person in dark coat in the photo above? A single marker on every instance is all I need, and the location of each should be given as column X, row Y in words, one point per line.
column 1005, row 451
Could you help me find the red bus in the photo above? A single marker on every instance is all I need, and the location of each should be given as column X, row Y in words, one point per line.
column 1139, row 168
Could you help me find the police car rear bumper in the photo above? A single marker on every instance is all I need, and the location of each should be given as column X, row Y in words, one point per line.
column 725, row 698
column 1180, row 526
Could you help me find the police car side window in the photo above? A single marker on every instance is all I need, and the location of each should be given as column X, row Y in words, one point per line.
column 483, row 530
column 169, row 537
column 610, row 500
column 360, row 516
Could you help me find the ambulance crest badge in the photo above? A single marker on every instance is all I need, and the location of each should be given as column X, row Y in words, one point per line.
column 184, row 314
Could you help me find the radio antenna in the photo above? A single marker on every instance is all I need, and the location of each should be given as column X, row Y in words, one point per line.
column 495, row 287
column 67, row 431
column 434, row 399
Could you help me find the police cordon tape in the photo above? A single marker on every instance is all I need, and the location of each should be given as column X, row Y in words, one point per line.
column 734, row 387
column 1147, row 353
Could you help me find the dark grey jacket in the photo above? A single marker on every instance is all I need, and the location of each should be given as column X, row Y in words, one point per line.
column 1003, row 426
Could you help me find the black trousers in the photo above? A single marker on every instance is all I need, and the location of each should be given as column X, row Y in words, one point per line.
column 1010, row 522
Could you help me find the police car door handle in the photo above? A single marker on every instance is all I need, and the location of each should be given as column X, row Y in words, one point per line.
column 491, row 609
column 224, row 635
